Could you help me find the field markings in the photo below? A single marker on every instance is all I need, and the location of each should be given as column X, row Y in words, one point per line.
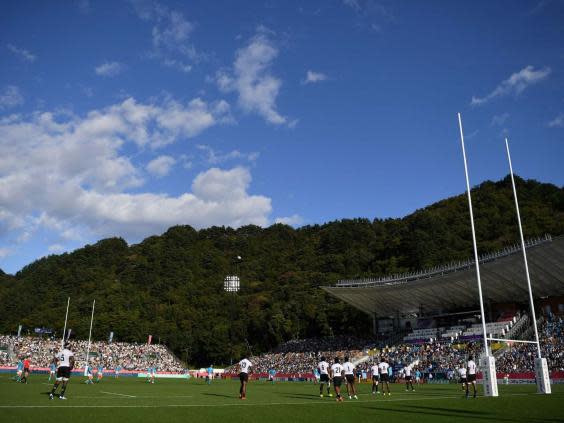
column 237, row 404
column 251, row 404
column 115, row 393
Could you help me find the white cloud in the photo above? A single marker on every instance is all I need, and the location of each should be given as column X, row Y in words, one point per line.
column 251, row 78
column 294, row 220
column 178, row 64
column 171, row 30
column 5, row 252
column 70, row 176
column 161, row 166
column 472, row 134
column 22, row 53
column 56, row 248
column 557, row 122
column 313, row 77
column 515, row 84
column 354, row 4
column 170, row 35
column 10, row 96
column 370, row 10
column 109, row 69
column 214, row 157
column 499, row 120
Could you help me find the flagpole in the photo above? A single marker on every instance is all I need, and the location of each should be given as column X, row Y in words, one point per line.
column 65, row 329
column 476, row 258
column 89, row 337
column 524, row 250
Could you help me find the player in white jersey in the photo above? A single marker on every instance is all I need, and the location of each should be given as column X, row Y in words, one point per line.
column 463, row 379
column 375, row 378
column 384, row 377
column 323, row 368
column 336, row 374
column 348, row 368
column 244, row 369
column 407, row 371
column 472, row 368
column 65, row 363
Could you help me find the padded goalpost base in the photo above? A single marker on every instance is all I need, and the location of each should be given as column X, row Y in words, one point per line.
column 490, row 376
column 542, row 376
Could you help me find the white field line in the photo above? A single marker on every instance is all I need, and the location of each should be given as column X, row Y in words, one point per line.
column 243, row 404
column 115, row 393
column 237, row 404
column 136, row 397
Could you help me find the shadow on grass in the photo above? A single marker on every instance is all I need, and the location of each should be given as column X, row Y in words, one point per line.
column 302, row 396
column 454, row 414
column 211, row 394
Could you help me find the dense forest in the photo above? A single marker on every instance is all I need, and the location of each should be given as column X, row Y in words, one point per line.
column 171, row 286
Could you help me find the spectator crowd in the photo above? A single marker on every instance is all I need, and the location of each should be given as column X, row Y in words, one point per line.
column 436, row 357
column 521, row 357
column 302, row 356
column 126, row 356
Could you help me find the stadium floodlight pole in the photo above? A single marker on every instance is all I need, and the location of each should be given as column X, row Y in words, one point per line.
column 89, row 337
column 541, row 368
column 65, row 329
column 523, row 249
column 476, row 258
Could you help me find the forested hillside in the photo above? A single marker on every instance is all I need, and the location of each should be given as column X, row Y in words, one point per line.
column 171, row 286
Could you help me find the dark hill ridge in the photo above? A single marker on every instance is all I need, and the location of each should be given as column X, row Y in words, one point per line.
column 171, row 286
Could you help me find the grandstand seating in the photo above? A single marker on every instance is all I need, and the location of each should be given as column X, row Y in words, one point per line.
column 129, row 356
column 499, row 329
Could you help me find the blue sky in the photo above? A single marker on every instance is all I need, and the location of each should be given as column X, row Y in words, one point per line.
column 123, row 118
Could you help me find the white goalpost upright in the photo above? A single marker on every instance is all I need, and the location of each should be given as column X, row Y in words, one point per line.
column 89, row 337
column 488, row 361
column 65, row 328
column 541, row 367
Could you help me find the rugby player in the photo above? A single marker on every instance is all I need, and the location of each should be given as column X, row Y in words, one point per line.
column 116, row 371
column 19, row 370
column 52, row 370
column 408, row 378
column 384, row 377
column 336, row 373
column 471, row 366
column 323, row 368
column 209, row 376
column 348, row 368
column 26, row 366
column 100, row 372
column 65, row 363
column 244, row 369
column 462, row 373
column 90, row 375
column 417, row 376
column 375, row 378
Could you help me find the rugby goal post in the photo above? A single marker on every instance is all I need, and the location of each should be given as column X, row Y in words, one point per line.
column 487, row 363
column 541, row 366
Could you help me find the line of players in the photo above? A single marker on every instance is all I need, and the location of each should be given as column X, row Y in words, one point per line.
column 337, row 373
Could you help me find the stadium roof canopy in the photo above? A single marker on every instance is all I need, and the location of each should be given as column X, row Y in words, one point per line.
column 454, row 286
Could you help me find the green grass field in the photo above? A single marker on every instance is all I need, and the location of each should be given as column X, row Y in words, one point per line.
column 132, row 400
